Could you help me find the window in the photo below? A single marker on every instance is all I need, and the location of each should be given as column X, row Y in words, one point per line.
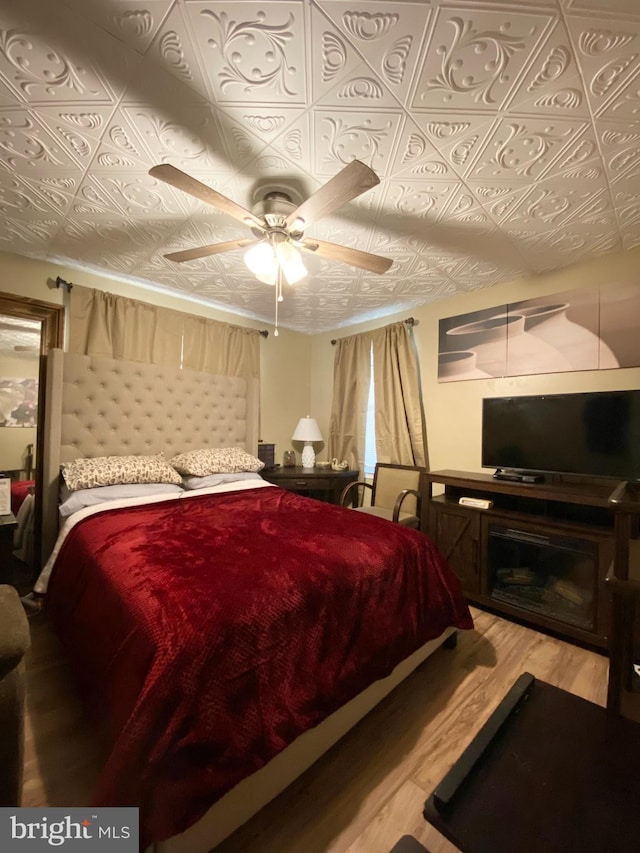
column 370, row 457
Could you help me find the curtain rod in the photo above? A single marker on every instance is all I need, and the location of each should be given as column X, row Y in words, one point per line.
column 410, row 321
column 60, row 282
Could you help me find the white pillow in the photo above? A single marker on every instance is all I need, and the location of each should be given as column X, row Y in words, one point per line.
column 216, row 460
column 81, row 498
column 88, row 472
column 217, row 479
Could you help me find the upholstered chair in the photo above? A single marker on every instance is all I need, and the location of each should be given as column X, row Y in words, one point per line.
column 395, row 493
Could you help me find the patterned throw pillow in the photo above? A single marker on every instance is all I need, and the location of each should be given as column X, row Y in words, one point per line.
column 219, row 460
column 115, row 470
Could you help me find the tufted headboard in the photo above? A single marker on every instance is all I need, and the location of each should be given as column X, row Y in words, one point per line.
column 102, row 407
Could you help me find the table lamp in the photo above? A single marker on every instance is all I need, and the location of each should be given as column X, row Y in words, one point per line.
column 307, row 431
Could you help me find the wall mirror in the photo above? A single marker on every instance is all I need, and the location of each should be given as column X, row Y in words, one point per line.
column 28, row 329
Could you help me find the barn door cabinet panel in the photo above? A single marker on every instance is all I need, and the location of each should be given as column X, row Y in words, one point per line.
column 539, row 553
column 456, row 531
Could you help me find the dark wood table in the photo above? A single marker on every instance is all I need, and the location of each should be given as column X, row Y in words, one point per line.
column 8, row 525
column 323, row 484
column 548, row 773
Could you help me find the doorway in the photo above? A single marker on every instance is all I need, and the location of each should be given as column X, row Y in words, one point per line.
column 29, row 328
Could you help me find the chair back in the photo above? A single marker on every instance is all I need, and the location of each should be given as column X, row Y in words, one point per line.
column 389, row 480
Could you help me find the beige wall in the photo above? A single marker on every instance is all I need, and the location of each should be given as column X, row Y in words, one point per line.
column 297, row 370
column 285, row 360
column 453, row 409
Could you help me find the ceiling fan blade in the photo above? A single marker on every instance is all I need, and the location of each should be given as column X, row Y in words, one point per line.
column 211, row 249
column 354, row 257
column 349, row 183
column 181, row 181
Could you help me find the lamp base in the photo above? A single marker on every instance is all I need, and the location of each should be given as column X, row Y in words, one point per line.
column 308, row 456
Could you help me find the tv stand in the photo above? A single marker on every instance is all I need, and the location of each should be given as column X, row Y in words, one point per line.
column 516, row 477
column 534, row 551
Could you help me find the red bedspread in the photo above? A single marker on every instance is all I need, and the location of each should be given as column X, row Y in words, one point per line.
column 213, row 630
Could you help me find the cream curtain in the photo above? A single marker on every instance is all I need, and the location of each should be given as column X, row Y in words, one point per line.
column 117, row 327
column 213, row 347
column 398, row 411
column 351, row 380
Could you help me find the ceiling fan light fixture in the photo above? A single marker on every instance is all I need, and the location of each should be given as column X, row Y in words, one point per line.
column 290, row 262
column 262, row 262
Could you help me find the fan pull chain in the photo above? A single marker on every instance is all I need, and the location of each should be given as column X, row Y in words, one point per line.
column 278, row 292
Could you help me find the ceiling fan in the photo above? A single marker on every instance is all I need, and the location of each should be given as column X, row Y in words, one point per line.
column 278, row 225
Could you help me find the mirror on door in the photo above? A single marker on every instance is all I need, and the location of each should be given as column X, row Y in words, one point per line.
column 19, row 366
column 28, row 329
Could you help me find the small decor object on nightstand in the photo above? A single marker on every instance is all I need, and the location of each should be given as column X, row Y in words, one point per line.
column 289, row 459
column 307, row 431
column 266, row 454
column 339, row 466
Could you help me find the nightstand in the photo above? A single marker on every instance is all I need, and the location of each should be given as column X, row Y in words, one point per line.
column 322, row 484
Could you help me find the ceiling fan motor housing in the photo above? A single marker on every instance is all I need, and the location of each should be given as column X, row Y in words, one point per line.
column 274, row 208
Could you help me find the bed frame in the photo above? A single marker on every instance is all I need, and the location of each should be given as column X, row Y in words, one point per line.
column 98, row 407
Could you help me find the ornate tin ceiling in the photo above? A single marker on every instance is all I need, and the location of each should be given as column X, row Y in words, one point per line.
column 506, row 136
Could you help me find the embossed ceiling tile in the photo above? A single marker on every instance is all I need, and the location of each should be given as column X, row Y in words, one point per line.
column 455, row 139
column 60, row 201
column 22, row 200
column 608, row 52
column 89, row 120
column 174, row 50
column 625, row 103
column 630, row 238
column 580, row 160
column 8, row 96
column 191, row 146
column 524, row 148
column 498, row 197
column 41, row 67
column 200, row 231
column 420, row 198
column 133, row 194
column 251, row 52
column 27, row 146
column 360, row 89
column 389, row 40
column 285, row 129
column 550, row 203
column 80, row 145
column 617, row 8
column 333, row 230
column 475, row 56
column 552, row 84
column 272, row 163
column 558, row 248
column 344, row 134
column 416, row 157
column 620, row 148
column 29, row 236
column 626, row 201
column 131, row 22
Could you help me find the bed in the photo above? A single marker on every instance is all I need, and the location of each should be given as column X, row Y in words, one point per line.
column 231, row 633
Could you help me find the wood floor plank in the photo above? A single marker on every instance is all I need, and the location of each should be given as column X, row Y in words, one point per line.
column 368, row 790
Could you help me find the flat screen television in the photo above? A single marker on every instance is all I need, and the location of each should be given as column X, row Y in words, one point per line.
column 595, row 434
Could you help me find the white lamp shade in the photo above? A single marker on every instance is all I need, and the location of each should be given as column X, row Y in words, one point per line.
column 290, row 262
column 307, row 430
column 262, row 261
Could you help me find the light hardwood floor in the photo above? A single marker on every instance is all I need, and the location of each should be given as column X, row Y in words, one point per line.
column 370, row 788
